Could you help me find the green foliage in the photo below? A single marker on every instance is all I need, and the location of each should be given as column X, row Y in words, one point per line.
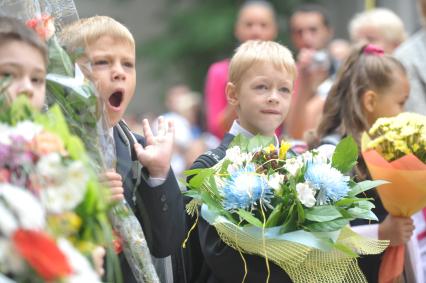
column 199, row 34
column 345, row 155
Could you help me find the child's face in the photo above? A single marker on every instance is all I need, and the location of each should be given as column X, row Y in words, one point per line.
column 262, row 99
column 26, row 66
column 392, row 102
column 255, row 23
column 114, row 74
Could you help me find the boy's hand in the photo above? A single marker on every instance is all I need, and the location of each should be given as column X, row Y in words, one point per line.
column 157, row 153
column 396, row 229
column 113, row 181
column 98, row 255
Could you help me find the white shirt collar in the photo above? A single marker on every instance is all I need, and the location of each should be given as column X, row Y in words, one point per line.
column 237, row 129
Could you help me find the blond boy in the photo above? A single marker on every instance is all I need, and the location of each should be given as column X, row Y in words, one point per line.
column 109, row 60
column 261, row 78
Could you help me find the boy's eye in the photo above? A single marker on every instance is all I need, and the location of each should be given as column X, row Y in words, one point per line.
column 6, row 74
column 129, row 64
column 100, row 62
column 261, row 87
column 285, row 90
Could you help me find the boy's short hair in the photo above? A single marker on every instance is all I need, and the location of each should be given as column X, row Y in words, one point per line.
column 83, row 32
column 384, row 20
column 14, row 29
column 313, row 8
column 256, row 51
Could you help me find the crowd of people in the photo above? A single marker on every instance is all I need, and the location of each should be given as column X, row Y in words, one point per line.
column 330, row 89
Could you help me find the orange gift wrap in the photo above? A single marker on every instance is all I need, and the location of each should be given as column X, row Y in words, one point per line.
column 404, row 195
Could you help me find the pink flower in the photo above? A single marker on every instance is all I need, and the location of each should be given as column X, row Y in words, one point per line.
column 4, row 175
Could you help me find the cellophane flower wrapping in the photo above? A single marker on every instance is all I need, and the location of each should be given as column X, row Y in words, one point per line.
column 291, row 210
column 394, row 149
column 52, row 208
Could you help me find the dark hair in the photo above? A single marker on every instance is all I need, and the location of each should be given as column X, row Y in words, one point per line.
column 343, row 113
column 14, row 29
column 261, row 3
column 314, row 8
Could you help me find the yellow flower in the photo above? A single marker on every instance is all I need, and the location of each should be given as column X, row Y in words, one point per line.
column 284, row 147
column 64, row 224
column 270, row 148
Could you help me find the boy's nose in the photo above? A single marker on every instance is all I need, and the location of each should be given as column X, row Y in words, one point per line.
column 273, row 97
column 118, row 73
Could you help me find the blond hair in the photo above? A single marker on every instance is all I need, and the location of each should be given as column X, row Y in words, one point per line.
column 84, row 32
column 384, row 20
column 255, row 51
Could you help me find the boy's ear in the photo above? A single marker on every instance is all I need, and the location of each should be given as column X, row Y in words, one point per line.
column 231, row 94
column 369, row 101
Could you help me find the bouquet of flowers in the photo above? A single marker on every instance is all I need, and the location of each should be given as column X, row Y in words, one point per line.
column 51, row 204
column 394, row 149
column 83, row 110
column 293, row 211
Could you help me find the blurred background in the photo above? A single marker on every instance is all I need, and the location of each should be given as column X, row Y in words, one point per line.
column 177, row 40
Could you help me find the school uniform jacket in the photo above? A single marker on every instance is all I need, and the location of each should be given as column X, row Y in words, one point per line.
column 159, row 209
column 223, row 264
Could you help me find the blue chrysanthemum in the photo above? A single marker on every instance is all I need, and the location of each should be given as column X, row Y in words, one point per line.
column 244, row 188
column 330, row 182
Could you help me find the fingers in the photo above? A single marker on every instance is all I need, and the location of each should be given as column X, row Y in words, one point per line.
column 149, row 136
column 110, row 175
column 98, row 255
column 161, row 128
column 117, row 193
column 171, row 128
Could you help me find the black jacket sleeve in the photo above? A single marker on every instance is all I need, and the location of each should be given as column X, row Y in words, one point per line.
column 161, row 212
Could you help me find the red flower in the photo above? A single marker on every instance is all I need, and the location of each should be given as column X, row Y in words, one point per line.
column 42, row 254
column 43, row 26
column 117, row 242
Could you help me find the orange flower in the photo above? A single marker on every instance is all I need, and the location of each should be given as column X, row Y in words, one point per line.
column 42, row 254
column 43, row 26
column 45, row 143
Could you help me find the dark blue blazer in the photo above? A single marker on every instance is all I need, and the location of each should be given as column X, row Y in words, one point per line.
column 160, row 210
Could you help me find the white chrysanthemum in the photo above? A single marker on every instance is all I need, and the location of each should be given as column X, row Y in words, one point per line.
column 26, row 208
column 292, row 165
column 275, row 180
column 5, row 134
column 65, row 196
column 306, row 194
column 27, row 130
column 8, row 223
column 233, row 154
column 50, row 167
column 82, row 270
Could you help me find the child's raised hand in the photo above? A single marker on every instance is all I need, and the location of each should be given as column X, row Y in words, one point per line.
column 157, row 153
column 113, row 181
column 396, row 229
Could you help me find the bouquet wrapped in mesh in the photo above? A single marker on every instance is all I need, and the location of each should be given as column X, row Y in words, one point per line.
column 293, row 211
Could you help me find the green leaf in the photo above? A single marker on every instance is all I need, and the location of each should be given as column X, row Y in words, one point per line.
column 361, row 213
column 345, row 155
column 366, row 204
column 198, row 180
column 345, row 249
column 322, row 213
column 240, row 141
column 328, row 226
column 365, row 186
column 260, row 142
column 247, row 216
column 300, row 213
column 275, row 216
column 348, row 201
